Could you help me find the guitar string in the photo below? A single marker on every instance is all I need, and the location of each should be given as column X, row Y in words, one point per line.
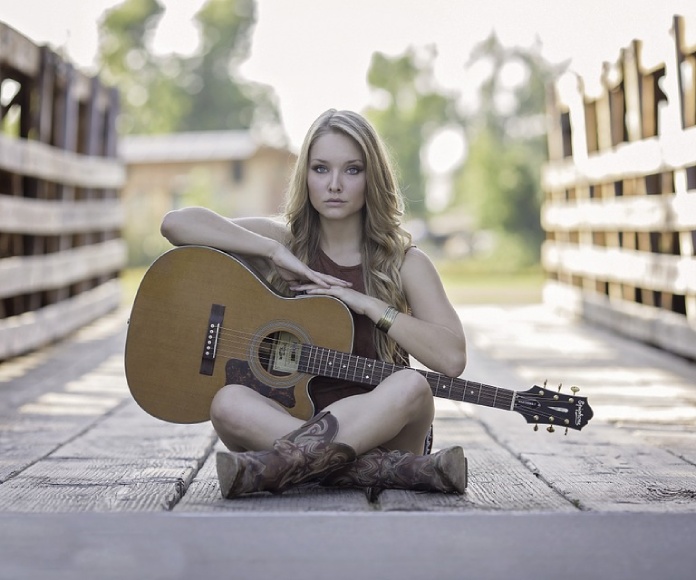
column 235, row 347
column 356, row 365
column 482, row 398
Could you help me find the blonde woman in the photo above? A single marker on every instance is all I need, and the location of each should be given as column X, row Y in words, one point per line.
column 341, row 237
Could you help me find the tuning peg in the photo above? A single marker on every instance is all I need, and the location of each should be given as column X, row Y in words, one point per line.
column 550, row 429
column 559, row 387
column 536, row 427
column 575, row 390
column 545, row 381
column 566, row 431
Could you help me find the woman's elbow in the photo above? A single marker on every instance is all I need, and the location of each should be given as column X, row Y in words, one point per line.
column 172, row 226
column 456, row 362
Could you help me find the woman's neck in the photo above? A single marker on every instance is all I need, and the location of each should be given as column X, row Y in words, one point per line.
column 342, row 241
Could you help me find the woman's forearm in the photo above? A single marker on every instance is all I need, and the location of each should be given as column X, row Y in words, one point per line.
column 200, row 226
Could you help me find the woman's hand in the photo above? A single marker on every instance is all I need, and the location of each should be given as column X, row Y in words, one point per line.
column 356, row 301
column 296, row 273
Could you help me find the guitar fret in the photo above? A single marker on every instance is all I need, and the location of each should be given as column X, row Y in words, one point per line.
column 336, row 364
column 344, row 366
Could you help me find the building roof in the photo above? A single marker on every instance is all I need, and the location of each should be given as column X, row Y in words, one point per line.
column 189, row 146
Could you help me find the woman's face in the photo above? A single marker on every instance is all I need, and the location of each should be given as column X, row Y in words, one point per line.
column 336, row 176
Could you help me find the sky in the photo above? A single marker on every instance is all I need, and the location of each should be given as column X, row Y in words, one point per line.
column 316, row 53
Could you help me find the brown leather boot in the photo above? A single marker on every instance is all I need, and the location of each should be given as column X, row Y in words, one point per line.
column 306, row 453
column 444, row 471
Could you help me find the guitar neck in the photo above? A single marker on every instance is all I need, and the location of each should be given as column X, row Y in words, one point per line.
column 325, row 362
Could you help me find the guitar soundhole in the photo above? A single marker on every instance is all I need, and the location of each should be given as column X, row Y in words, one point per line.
column 279, row 353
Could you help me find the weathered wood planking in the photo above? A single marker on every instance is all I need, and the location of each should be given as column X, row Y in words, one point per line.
column 60, row 214
column 666, row 273
column 42, row 161
column 644, row 464
column 620, row 209
column 25, row 332
column 42, row 217
column 498, row 480
column 71, row 438
column 48, row 271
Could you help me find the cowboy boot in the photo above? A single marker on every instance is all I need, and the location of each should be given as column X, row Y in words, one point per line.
column 306, row 453
column 444, row 471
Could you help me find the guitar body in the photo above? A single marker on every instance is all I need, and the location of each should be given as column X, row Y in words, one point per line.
column 202, row 319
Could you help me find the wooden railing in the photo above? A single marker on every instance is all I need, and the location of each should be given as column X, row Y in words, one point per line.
column 60, row 213
column 620, row 193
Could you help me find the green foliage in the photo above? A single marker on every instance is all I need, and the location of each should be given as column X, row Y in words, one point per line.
column 412, row 111
column 127, row 62
column 500, row 179
column 168, row 93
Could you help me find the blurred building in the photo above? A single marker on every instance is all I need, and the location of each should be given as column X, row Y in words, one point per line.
column 231, row 172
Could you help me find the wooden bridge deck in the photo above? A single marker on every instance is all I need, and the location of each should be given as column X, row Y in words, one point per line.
column 72, row 439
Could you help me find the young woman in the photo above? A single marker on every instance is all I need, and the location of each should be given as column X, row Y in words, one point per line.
column 341, row 237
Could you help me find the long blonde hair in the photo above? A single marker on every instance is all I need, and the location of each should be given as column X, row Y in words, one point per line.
column 384, row 242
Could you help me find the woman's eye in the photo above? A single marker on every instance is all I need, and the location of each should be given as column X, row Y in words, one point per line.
column 354, row 170
column 319, row 168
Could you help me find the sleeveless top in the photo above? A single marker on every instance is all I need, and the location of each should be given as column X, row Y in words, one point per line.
column 326, row 390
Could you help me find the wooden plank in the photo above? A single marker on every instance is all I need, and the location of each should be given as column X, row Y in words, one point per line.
column 22, row 333
column 26, row 274
column 637, row 479
column 52, row 217
column 67, row 485
column 638, row 158
column 28, row 157
column 643, row 269
column 634, row 213
column 17, row 52
column 606, row 467
column 497, row 479
column 657, row 326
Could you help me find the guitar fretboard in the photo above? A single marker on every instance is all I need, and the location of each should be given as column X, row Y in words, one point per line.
column 325, row 362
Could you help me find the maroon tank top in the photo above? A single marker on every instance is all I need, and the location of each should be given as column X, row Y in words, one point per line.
column 326, row 390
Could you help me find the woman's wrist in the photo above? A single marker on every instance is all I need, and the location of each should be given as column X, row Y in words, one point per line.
column 387, row 319
column 274, row 246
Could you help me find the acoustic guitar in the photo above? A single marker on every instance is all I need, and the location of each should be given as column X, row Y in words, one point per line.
column 202, row 319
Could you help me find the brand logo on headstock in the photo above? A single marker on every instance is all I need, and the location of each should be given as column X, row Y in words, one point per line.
column 578, row 412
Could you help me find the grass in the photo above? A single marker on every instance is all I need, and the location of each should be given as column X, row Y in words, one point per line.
column 485, row 282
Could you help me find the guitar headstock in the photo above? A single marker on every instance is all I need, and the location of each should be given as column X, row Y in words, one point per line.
column 542, row 406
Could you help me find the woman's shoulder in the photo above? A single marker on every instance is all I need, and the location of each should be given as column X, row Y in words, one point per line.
column 414, row 256
column 418, row 267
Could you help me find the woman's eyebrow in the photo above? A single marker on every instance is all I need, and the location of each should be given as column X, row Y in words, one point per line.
column 318, row 160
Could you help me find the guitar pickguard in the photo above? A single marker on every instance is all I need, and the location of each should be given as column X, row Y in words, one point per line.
column 238, row 372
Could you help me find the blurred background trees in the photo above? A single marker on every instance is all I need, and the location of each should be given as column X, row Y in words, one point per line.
column 499, row 182
column 198, row 92
column 410, row 110
column 495, row 187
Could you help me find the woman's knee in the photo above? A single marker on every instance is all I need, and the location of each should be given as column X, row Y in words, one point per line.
column 226, row 406
column 415, row 390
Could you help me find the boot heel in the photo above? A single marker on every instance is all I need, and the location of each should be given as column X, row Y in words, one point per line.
column 227, row 468
column 453, row 467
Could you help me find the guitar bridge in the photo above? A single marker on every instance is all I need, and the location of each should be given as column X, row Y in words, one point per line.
column 212, row 335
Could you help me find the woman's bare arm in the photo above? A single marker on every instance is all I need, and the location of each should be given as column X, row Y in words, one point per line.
column 262, row 240
column 432, row 333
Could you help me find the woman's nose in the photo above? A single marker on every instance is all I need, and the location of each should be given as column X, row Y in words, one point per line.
column 335, row 183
